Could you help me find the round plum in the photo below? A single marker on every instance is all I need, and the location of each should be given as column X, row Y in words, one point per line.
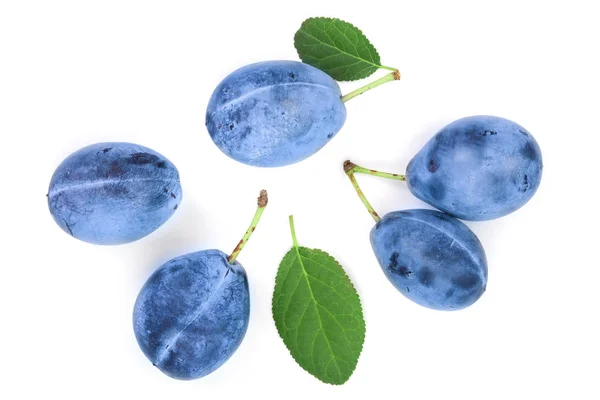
column 274, row 113
column 192, row 314
column 113, row 193
column 431, row 258
column 477, row 168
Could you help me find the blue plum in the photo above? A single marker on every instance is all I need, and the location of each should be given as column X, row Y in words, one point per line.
column 192, row 314
column 274, row 113
column 477, row 168
column 431, row 258
column 113, row 193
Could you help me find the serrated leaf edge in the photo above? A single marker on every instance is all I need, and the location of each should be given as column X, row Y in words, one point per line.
column 278, row 277
column 351, row 55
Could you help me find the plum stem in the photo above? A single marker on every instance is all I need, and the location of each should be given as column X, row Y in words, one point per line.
column 263, row 200
column 349, row 169
column 390, row 69
column 357, row 169
column 393, row 76
column 293, row 230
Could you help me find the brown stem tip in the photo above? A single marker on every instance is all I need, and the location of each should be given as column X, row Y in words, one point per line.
column 263, row 199
column 348, row 165
column 396, row 75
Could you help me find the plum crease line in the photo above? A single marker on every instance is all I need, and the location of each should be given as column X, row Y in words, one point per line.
column 161, row 356
column 92, row 184
column 454, row 239
column 265, row 88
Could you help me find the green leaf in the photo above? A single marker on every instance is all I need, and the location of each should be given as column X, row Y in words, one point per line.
column 337, row 48
column 318, row 313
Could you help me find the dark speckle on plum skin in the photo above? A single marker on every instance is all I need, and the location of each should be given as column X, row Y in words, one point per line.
column 524, row 185
column 398, row 270
column 432, row 166
column 161, row 164
column 393, row 261
column 143, row 158
column 448, row 268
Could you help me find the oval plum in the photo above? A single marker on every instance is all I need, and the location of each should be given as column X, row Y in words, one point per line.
column 113, row 193
column 192, row 314
column 477, row 168
column 274, row 113
column 431, row 258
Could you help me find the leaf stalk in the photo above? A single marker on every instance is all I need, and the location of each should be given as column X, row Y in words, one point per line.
column 293, row 230
column 393, row 76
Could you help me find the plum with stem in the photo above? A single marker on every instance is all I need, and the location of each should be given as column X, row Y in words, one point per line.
column 430, row 257
column 276, row 113
column 192, row 313
column 476, row 168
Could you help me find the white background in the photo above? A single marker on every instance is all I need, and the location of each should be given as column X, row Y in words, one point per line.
column 75, row 73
